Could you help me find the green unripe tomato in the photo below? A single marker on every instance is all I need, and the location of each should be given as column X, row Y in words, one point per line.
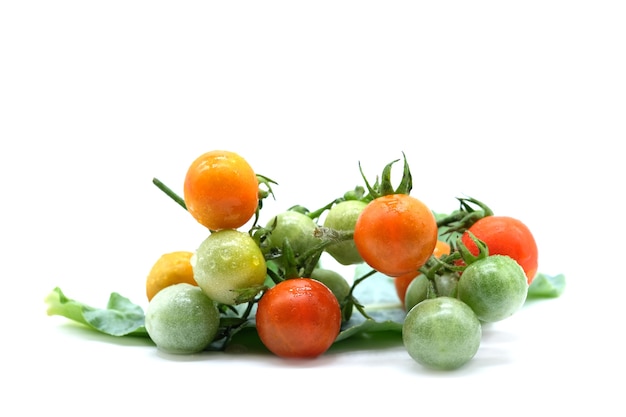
column 417, row 291
column 441, row 333
column 446, row 284
column 227, row 263
column 294, row 226
column 343, row 216
column 494, row 287
column 181, row 319
column 333, row 280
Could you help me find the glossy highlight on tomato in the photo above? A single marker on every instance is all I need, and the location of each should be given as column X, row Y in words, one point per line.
column 221, row 190
column 395, row 234
column 298, row 318
column 505, row 235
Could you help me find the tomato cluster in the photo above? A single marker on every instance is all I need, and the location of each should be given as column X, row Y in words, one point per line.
column 452, row 273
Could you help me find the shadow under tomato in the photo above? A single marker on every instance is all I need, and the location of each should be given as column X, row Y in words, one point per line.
column 85, row 332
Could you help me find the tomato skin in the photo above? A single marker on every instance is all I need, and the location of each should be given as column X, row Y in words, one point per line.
column 298, row 318
column 221, row 190
column 227, row 262
column 395, row 234
column 505, row 235
column 441, row 333
column 294, row 226
column 402, row 282
column 494, row 287
column 343, row 216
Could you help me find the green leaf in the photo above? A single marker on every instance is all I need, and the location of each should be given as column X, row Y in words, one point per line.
column 546, row 286
column 120, row 318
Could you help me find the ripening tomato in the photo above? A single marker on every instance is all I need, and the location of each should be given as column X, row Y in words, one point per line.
column 506, row 236
column 395, row 234
column 402, row 282
column 298, row 318
column 227, row 265
column 221, row 190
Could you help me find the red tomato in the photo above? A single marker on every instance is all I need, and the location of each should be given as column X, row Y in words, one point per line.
column 298, row 318
column 221, row 190
column 506, row 236
column 395, row 234
column 402, row 282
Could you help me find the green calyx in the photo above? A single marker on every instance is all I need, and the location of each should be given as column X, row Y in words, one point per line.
column 384, row 186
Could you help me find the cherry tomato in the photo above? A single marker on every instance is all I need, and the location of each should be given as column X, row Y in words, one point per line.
column 298, row 318
column 506, row 236
column 296, row 227
column 494, row 287
column 227, row 264
column 420, row 288
column 182, row 319
column 395, row 234
column 221, row 190
column 343, row 216
column 402, row 282
column 441, row 333
column 334, row 281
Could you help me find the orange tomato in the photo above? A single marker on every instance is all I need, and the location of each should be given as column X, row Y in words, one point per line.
column 395, row 234
column 221, row 190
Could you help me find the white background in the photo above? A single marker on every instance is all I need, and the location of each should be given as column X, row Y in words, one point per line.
column 519, row 104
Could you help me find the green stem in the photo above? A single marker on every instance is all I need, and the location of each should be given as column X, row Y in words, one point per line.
column 357, row 305
column 317, row 213
column 169, row 192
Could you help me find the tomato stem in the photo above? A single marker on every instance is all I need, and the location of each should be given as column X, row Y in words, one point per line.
column 352, row 300
column 169, row 192
column 456, row 223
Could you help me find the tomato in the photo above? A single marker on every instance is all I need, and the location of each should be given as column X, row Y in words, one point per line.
column 296, row 227
column 420, row 288
column 441, row 333
column 334, row 281
column 171, row 268
column 221, row 190
column 402, row 282
column 343, row 216
column 227, row 264
column 395, row 234
column 181, row 319
column 494, row 287
column 417, row 291
column 506, row 236
column 298, row 318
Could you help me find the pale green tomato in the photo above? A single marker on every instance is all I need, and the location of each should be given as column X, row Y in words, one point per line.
column 181, row 319
column 494, row 287
column 227, row 265
column 343, row 216
column 417, row 291
column 441, row 333
column 333, row 280
column 294, row 226
column 446, row 284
